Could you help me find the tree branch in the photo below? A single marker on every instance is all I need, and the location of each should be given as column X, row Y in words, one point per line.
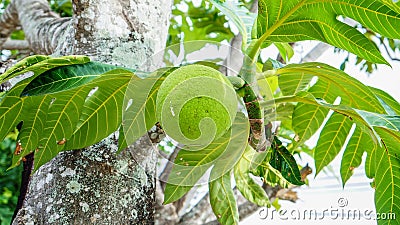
column 388, row 53
column 8, row 22
column 43, row 28
column 16, row 44
column 316, row 52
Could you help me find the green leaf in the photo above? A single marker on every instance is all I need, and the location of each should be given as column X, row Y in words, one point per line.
column 189, row 167
column 223, row 153
column 283, row 161
column 359, row 143
column 237, row 145
column 102, row 109
column 245, row 184
column 391, row 106
column 281, row 112
column 331, row 140
column 292, row 82
column 22, row 65
column 332, row 84
column 307, row 119
column 387, row 177
column 39, row 64
column 285, row 50
column 65, row 78
column 239, row 15
column 10, row 112
column 223, row 200
column 122, row 144
column 297, row 20
column 368, row 122
column 370, row 163
column 34, row 118
column 270, row 175
column 64, row 113
column 380, row 120
column 140, row 116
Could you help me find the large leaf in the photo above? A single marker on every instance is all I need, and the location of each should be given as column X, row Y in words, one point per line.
column 367, row 124
column 140, row 105
column 223, row 200
column 245, row 183
column 102, row 109
column 283, row 161
column 297, row 20
column 69, row 105
column 10, row 112
column 391, row 106
column 331, row 140
column 22, row 65
column 64, row 113
column 65, row 77
column 223, row 153
column 189, row 167
column 387, row 177
column 332, row 84
column 359, row 143
column 34, row 118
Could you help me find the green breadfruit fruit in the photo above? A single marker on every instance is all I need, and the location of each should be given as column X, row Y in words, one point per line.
column 196, row 104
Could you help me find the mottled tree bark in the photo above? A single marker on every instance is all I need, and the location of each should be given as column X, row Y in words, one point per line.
column 94, row 185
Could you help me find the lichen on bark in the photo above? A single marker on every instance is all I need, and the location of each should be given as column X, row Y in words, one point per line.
column 95, row 185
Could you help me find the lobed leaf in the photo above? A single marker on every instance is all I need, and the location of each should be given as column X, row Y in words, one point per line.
column 20, row 66
column 245, row 184
column 103, row 108
column 65, row 78
column 298, row 20
column 64, row 113
column 283, row 161
column 222, row 199
column 387, row 176
column 392, row 107
column 140, row 115
column 331, row 140
column 223, row 153
column 359, row 143
column 34, row 117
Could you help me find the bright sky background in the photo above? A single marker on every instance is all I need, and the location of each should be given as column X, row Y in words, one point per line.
column 325, row 192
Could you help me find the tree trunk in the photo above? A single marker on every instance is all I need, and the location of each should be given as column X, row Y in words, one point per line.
column 94, row 185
